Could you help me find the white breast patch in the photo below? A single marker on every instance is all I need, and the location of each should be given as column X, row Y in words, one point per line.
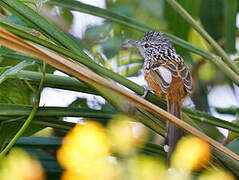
column 166, row 74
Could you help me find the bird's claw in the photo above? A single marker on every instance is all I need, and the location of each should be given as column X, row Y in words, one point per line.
column 166, row 148
column 146, row 90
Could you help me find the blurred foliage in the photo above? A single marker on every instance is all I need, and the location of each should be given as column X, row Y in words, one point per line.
column 90, row 141
column 177, row 25
column 230, row 14
column 19, row 165
column 211, row 16
column 218, row 174
column 85, row 150
column 191, row 154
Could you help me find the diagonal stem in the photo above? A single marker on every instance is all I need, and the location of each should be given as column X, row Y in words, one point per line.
column 29, row 119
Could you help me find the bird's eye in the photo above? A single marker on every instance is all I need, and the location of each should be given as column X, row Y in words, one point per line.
column 146, row 45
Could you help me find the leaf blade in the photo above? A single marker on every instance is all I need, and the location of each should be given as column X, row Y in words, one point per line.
column 14, row 70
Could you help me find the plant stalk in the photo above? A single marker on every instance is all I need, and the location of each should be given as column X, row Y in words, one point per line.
column 29, row 119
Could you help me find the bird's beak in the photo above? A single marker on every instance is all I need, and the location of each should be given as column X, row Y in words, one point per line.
column 130, row 44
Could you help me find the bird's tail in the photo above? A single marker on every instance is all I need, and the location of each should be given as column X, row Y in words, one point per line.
column 174, row 133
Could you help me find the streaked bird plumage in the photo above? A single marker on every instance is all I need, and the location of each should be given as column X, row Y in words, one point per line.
column 165, row 72
column 158, row 52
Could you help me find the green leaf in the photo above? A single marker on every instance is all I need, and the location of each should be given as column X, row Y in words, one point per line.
column 13, row 58
column 30, row 2
column 98, row 31
column 76, row 40
column 56, row 81
column 125, row 63
column 14, row 70
column 67, row 16
column 226, row 161
column 111, row 46
column 211, row 16
column 195, row 38
column 39, row 142
column 206, row 118
column 131, row 70
column 32, row 18
column 14, row 91
column 233, row 110
column 230, row 13
column 111, row 97
column 154, row 149
column 176, row 24
column 79, row 102
column 4, row 50
column 13, row 110
column 206, row 128
column 232, row 135
column 16, row 20
column 207, row 71
column 104, row 13
column 234, row 146
column 10, row 127
column 54, row 122
column 108, row 107
column 211, row 131
column 41, row 1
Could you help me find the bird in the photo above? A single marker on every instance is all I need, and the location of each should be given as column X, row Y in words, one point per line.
column 166, row 73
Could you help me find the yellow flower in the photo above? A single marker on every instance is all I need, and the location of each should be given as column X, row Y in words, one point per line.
column 147, row 168
column 84, row 153
column 73, row 175
column 83, row 147
column 191, row 154
column 106, row 171
column 19, row 165
column 216, row 174
column 124, row 136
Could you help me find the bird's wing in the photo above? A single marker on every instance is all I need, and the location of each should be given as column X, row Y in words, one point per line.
column 162, row 72
column 185, row 74
column 161, row 76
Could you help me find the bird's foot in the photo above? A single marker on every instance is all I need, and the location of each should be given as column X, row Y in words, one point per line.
column 166, row 146
column 146, row 90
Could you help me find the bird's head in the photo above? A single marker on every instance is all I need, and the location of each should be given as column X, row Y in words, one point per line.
column 152, row 43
